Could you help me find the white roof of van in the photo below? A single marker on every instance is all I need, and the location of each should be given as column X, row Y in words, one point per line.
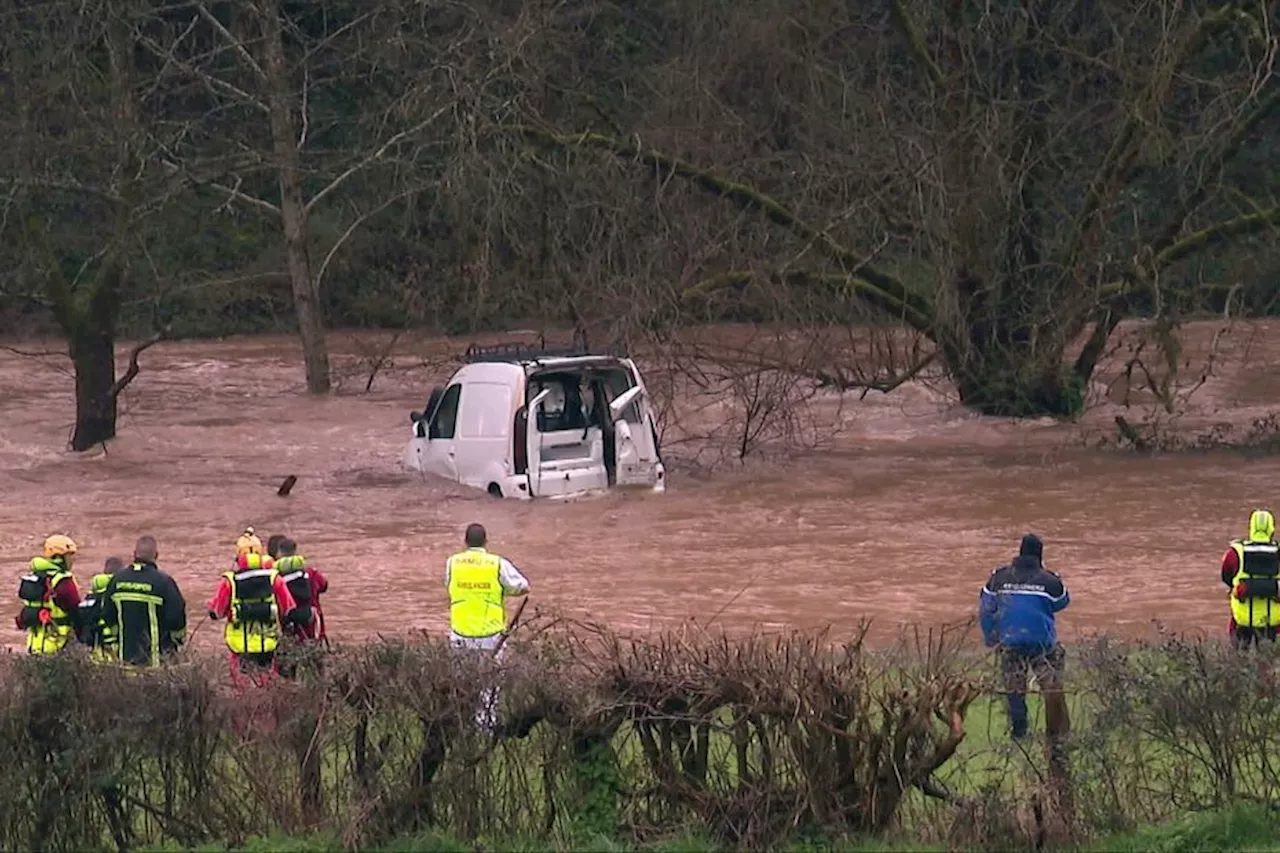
column 537, row 356
column 572, row 360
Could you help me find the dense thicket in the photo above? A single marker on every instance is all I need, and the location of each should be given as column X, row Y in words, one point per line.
column 750, row 742
column 1007, row 180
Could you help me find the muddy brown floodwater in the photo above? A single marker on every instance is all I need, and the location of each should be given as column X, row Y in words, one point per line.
column 900, row 518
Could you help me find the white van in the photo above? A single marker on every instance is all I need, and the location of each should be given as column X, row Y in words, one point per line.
column 591, row 428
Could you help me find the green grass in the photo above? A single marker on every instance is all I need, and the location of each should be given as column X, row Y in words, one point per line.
column 1137, row 760
column 1246, row 828
column 430, row 843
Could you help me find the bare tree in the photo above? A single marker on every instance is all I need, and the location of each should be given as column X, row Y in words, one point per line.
column 1011, row 181
column 346, row 113
column 281, row 107
column 82, row 183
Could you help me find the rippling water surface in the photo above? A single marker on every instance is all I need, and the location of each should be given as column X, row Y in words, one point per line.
column 899, row 518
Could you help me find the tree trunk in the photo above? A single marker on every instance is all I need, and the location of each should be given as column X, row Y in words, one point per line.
column 1007, row 358
column 92, row 348
column 1001, row 384
column 293, row 209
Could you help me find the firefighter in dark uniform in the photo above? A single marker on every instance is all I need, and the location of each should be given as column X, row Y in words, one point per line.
column 144, row 616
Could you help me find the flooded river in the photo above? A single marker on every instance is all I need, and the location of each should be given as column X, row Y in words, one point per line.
column 900, row 517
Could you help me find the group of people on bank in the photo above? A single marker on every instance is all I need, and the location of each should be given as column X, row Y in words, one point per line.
column 1019, row 603
column 135, row 614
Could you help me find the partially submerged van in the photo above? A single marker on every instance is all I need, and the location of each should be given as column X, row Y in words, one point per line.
column 522, row 422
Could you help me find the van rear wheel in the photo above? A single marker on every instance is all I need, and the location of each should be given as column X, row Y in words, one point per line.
column 495, row 490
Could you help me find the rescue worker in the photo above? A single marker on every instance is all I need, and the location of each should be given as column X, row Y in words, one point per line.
column 89, row 622
column 255, row 601
column 273, row 545
column 144, row 616
column 306, row 584
column 479, row 582
column 1017, row 609
column 50, row 597
column 1250, row 569
column 249, row 543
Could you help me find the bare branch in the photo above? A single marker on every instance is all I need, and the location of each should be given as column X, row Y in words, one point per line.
column 232, row 193
column 849, row 284
column 919, row 49
column 358, row 222
column 304, row 108
column 376, row 155
column 889, row 293
column 1113, row 173
column 63, row 185
column 131, row 373
column 1225, row 153
column 233, row 42
column 34, row 353
column 1248, row 223
column 208, row 79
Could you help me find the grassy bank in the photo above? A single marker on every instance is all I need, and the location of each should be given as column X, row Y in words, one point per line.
column 1248, row 827
column 638, row 744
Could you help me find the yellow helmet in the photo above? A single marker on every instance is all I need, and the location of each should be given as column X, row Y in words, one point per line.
column 248, row 543
column 58, row 545
column 1262, row 526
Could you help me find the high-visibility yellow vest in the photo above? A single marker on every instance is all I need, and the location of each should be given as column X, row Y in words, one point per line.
column 1257, row 561
column 475, row 594
column 253, row 625
column 46, row 634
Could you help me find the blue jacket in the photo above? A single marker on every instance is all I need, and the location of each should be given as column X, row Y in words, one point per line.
column 1017, row 605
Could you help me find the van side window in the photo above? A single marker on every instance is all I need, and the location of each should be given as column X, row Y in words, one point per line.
column 445, row 422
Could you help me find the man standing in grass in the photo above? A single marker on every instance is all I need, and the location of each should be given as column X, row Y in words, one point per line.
column 1017, row 609
column 479, row 582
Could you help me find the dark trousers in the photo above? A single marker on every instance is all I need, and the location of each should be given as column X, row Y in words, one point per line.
column 255, row 662
column 1243, row 637
column 1015, row 664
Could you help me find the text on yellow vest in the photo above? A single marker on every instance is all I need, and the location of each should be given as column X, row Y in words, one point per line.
column 475, row 594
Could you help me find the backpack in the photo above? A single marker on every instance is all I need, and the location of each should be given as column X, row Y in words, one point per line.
column 33, row 589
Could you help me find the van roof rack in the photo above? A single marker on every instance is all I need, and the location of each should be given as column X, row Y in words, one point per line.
column 532, row 352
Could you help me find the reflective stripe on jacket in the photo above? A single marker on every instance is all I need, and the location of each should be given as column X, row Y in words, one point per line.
column 253, row 623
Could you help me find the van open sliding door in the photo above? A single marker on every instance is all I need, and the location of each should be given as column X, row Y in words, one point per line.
column 562, row 462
